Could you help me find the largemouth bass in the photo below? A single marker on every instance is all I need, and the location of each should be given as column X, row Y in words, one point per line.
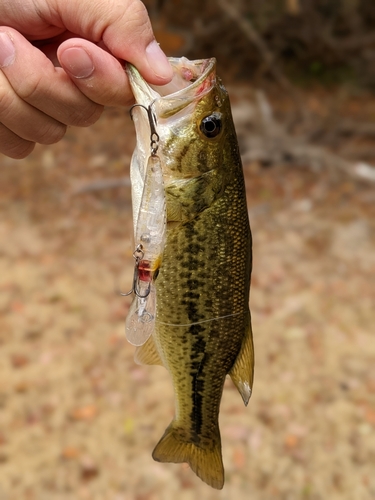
column 195, row 289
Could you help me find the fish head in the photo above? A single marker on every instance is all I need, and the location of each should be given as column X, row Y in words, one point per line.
column 193, row 121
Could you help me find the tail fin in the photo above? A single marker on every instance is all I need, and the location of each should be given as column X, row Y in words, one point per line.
column 206, row 462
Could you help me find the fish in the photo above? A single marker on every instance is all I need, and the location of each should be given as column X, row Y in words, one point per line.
column 196, row 287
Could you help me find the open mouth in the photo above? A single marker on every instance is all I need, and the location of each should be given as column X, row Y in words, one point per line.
column 190, row 79
column 186, row 73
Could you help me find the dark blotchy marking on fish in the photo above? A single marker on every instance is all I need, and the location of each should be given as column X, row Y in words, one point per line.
column 198, row 347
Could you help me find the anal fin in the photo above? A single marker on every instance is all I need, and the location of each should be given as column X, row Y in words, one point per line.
column 242, row 372
column 147, row 353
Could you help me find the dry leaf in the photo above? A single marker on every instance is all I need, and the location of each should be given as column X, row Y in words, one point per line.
column 70, row 452
column 88, row 412
column 291, row 441
column 19, row 360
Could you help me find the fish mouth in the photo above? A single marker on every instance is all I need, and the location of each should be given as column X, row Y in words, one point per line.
column 191, row 80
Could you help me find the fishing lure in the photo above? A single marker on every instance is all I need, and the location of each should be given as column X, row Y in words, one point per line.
column 149, row 240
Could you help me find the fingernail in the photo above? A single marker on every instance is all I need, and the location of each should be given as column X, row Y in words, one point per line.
column 7, row 50
column 77, row 62
column 158, row 61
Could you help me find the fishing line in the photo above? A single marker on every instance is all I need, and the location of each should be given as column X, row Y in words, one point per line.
column 200, row 322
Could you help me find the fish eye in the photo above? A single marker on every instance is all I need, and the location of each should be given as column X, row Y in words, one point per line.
column 211, row 125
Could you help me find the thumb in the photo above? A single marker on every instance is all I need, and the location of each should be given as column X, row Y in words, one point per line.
column 124, row 27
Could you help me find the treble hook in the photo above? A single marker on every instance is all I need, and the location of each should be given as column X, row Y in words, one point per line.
column 138, row 256
column 154, row 137
column 138, row 253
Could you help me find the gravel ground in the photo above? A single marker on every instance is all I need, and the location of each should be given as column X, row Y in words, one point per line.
column 79, row 420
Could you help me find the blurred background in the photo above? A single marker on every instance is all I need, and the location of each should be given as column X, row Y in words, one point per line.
column 78, row 418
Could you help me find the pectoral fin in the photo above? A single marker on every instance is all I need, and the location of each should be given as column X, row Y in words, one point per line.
column 147, row 354
column 186, row 198
column 242, row 372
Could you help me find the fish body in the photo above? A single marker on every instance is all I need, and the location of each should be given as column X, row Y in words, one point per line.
column 202, row 327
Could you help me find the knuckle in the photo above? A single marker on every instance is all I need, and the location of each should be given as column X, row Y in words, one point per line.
column 110, row 96
column 6, row 101
column 19, row 149
column 115, row 93
column 30, row 87
column 121, row 98
column 14, row 146
column 87, row 116
column 52, row 134
column 136, row 19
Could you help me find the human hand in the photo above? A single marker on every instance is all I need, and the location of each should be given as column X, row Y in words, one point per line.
column 61, row 61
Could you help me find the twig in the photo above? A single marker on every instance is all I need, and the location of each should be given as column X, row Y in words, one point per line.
column 286, row 149
column 270, row 143
column 251, row 33
column 349, row 127
column 353, row 42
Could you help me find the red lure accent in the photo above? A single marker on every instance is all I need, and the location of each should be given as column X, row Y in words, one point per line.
column 144, row 271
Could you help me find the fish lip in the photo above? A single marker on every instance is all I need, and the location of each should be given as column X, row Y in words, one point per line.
column 143, row 92
column 147, row 94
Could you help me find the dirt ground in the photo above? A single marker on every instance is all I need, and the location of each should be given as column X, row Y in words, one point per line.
column 79, row 420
